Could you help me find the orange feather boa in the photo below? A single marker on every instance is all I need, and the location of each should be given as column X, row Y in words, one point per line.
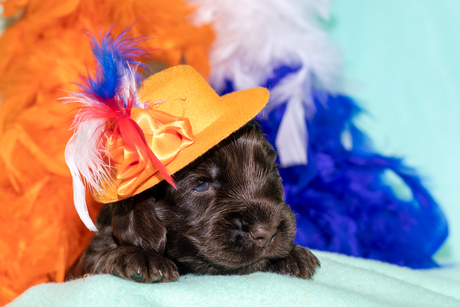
column 41, row 54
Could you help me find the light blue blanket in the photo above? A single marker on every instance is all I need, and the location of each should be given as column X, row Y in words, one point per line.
column 341, row 281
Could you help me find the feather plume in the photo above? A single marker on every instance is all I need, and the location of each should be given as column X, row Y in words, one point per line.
column 106, row 103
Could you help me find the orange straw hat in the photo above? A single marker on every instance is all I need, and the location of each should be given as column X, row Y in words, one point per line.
column 128, row 140
column 187, row 96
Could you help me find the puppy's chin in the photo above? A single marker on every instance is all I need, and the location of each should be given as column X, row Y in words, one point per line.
column 254, row 233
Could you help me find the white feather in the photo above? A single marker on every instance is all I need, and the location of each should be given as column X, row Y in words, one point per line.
column 84, row 157
column 254, row 37
column 87, row 147
column 79, row 191
column 292, row 135
column 129, row 87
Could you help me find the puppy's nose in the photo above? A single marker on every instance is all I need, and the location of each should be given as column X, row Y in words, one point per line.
column 262, row 234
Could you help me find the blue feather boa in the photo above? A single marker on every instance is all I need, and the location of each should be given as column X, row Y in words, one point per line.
column 341, row 198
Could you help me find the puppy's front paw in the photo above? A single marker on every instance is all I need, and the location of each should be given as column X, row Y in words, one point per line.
column 144, row 267
column 300, row 263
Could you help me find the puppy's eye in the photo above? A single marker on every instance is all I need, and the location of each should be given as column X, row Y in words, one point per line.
column 202, row 186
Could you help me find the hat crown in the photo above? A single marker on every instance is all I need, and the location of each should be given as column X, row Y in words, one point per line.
column 181, row 91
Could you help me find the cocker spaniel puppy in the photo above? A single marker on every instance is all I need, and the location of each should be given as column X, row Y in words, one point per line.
column 227, row 216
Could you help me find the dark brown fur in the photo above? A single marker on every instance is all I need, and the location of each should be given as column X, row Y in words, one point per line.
column 227, row 216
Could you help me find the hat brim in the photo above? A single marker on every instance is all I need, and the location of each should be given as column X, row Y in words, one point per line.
column 244, row 106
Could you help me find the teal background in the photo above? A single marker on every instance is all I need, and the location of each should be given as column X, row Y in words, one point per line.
column 402, row 65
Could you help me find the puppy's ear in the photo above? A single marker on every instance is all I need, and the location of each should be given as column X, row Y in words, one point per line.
column 135, row 223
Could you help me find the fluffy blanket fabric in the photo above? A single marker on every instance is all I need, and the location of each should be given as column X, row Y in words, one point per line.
column 341, row 281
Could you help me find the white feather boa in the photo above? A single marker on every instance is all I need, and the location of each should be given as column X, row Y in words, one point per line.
column 255, row 37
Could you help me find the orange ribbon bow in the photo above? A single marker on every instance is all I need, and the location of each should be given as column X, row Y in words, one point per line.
column 165, row 135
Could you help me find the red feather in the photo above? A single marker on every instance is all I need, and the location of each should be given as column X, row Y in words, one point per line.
column 133, row 137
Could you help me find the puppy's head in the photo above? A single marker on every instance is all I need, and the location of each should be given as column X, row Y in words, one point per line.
column 228, row 213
